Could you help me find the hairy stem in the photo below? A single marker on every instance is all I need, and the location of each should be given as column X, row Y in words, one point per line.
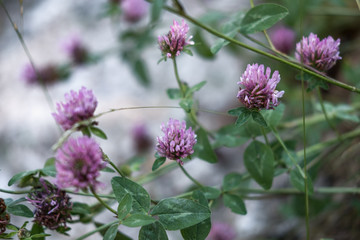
column 102, row 202
column 189, row 176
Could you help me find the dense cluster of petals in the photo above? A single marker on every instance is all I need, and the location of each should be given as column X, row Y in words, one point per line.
column 257, row 88
column 177, row 142
column 52, row 206
column 174, row 42
column 134, row 10
column 283, row 39
column 78, row 106
column 78, row 163
column 319, row 54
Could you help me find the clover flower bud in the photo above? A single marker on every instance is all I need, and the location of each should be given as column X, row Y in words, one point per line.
column 78, row 163
column 45, row 75
column 319, row 54
column 134, row 10
column 78, row 106
column 257, row 88
column 175, row 41
column 52, row 206
column 177, row 142
column 76, row 50
column 283, row 39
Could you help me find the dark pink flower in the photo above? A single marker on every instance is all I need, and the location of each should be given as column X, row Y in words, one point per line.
column 174, row 42
column 78, row 106
column 78, row 163
column 141, row 138
column 319, row 54
column 52, row 206
column 283, row 39
column 4, row 216
column 257, row 88
column 177, row 142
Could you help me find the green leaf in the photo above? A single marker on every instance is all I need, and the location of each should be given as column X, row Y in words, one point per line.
column 186, row 104
column 138, row 220
column 156, row 8
column 124, row 207
column 298, row 182
column 259, row 161
column 154, row 231
column 141, row 72
column 49, row 171
column 111, row 232
column 98, row 132
column 141, row 199
column 210, row 192
column 228, row 140
column 50, row 162
column 258, row 118
column 179, row 213
column 199, row 197
column 79, row 208
column 188, row 51
column 232, row 181
column 201, row 46
column 19, row 176
column 20, row 210
column 220, row 43
column 40, row 236
column 37, row 229
column 197, row 232
column 107, row 169
column 313, row 82
column 262, row 17
column 195, row 88
column 158, row 162
column 203, row 149
column 273, row 117
column 119, row 235
column 235, row 203
column 174, row 93
column 242, row 113
column 85, row 131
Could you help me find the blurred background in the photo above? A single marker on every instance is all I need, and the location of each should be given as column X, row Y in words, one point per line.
column 117, row 58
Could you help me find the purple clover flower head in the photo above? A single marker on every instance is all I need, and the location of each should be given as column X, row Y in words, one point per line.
column 78, row 163
column 174, row 42
column 134, row 10
column 257, row 88
column 319, row 54
column 78, row 106
column 177, row 142
column 4, row 217
column 283, row 39
column 75, row 49
column 221, row 231
column 52, row 206
column 45, row 75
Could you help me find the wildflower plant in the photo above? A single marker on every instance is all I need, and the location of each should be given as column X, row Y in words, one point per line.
column 268, row 140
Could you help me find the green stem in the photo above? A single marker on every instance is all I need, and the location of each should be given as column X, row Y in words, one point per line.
column 181, row 87
column 27, row 52
column 320, row 190
column 97, row 230
column 15, row 192
column 276, row 134
column 265, row 137
column 102, row 202
column 326, row 115
column 91, row 195
column 295, row 65
column 190, row 177
column 107, row 159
